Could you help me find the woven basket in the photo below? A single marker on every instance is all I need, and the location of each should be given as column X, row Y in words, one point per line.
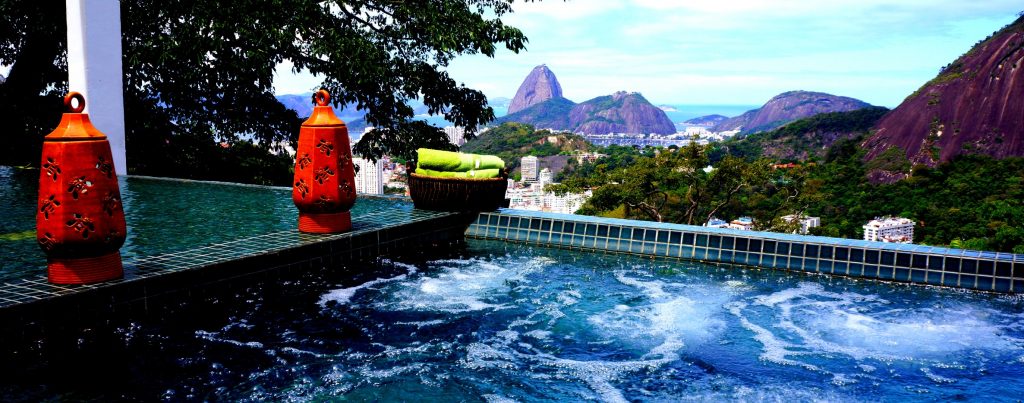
column 457, row 194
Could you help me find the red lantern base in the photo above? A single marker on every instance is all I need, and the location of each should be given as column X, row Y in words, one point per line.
column 325, row 223
column 85, row 270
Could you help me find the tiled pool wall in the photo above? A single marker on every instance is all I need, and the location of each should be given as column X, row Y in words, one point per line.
column 985, row 271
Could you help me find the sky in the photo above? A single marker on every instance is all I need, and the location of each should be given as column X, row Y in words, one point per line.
column 729, row 52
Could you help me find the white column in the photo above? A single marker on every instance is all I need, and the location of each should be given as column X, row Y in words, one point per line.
column 94, row 67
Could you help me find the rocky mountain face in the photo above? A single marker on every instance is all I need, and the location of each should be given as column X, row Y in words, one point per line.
column 550, row 114
column 805, row 139
column 787, row 107
column 975, row 105
column 708, row 120
column 621, row 112
column 539, row 86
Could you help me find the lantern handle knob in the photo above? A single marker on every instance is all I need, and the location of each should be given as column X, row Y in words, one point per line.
column 322, row 97
column 72, row 96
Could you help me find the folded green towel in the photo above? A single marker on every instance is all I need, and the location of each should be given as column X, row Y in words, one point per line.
column 447, row 161
column 473, row 174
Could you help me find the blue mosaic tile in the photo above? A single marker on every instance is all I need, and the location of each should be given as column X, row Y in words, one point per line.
column 967, row 281
column 1002, row 285
column 825, row 252
column 855, row 269
column 919, row 261
column 726, row 256
column 952, row 265
column 902, row 275
column 702, row 240
column 917, row 276
column 886, row 273
column 811, row 251
column 857, row 255
column 1004, row 269
column 935, row 262
column 871, row 256
column 986, row 267
column 841, row 253
column 741, row 244
column 950, row 280
column 839, row 267
column 934, row 277
column 986, row 283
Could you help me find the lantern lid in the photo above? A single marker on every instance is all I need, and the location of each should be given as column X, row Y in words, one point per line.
column 75, row 125
column 322, row 114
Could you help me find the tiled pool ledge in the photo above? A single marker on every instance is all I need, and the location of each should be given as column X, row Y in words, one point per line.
column 26, row 303
column 985, row 271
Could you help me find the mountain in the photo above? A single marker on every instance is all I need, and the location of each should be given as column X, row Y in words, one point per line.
column 707, row 120
column 806, row 138
column 550, row 114
column 621, row 112
column 787, row 107
column 974, row 106
column 540, row 85
column 302, row 104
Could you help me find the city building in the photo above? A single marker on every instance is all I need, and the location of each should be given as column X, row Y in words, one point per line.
column 716, row 223
column 806, row 223
column 544, row 177
column 535, row 198
column 889, row 229
column 369, row 176
column 456, row 135
column 588, row 157
column 742, row 224
column 530, row 169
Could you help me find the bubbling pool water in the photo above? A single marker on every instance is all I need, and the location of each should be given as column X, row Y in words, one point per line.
column 566, row 326
column 517, row 323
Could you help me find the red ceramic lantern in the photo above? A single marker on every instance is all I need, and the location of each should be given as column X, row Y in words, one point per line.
column 80, row 222
column 324, row 187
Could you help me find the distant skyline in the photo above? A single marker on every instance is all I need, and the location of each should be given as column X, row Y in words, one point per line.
column 729, row 52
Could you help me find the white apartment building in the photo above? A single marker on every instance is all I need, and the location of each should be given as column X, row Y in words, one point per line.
column 369, row 176
column 544, row 177
column 588, row 157
column 456, row 135
column 530, row 169
column 806, row 223
column 742, row 224
column 889, row 229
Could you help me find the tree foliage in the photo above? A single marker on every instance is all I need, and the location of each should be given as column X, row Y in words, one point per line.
column 206, row 69
column 677, row 186
column 511, row 141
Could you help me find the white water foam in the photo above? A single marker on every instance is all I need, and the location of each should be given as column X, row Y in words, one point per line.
column 463, row 285
column 214, row 336
column 808, row 320
column 343, row 295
